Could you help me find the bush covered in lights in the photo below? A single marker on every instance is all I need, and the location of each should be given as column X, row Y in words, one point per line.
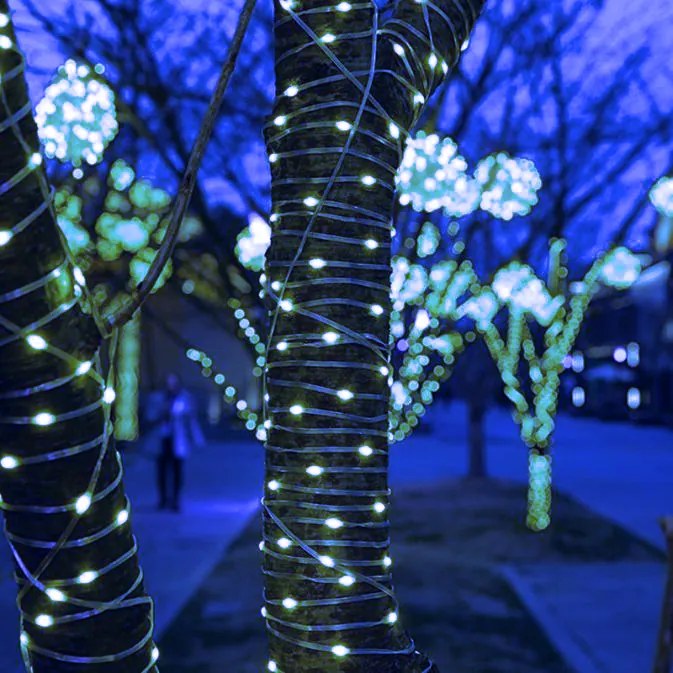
column 77, row 118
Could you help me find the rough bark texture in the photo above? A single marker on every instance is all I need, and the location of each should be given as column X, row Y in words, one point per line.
column 321, row 269
column 39, row 295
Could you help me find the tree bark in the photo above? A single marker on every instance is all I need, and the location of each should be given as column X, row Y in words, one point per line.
column 476, row 413
column 82, row 600
column 349, row 87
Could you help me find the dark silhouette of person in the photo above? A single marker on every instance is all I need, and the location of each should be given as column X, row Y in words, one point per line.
column 180, row 432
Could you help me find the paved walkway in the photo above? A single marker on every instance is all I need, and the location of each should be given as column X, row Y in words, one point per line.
column 177, row 551
column 602, row 617
column 624, row 472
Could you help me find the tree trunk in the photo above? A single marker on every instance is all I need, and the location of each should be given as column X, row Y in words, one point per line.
column 83, row 605
column 349, row 88
column 476, row 415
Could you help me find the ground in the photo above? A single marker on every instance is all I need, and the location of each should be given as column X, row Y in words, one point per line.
column 450, row 542
column 586, row 589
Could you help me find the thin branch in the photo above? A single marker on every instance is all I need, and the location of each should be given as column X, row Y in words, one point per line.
column 142, row 292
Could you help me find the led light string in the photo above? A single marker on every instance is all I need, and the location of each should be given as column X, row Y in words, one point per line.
column 339, row 400
column 85, row 548
column 618, row 268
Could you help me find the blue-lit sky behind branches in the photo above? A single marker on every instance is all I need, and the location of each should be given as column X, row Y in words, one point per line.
column 582, row 87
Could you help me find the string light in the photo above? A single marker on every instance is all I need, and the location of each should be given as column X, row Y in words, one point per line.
column 329, row 507
column 77, row 121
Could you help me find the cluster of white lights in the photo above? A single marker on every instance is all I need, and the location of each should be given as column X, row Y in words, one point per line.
column 77, row 118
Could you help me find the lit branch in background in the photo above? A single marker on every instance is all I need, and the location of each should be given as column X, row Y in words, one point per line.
column 66, row 514
column 661, row 196
column 128, row 378
column 527, row 298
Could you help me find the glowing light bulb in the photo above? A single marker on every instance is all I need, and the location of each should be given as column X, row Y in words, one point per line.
column 83, row 503
column 387, row 561
column 394, row 130
column 344, row 125
column 340, row 650
column 35, row 160
column 5, row 237
column 286, row 305
column 384, row 371
column 56, row 595
column 344, row 7
column 345, row 395
column 391, row 618
column 317, row 263
column 44, row 418
column 419, row 98
column 432, row 60
column 314, row 470
column 87, row 577
column 284, row 543
column 376, row 309
column 368, row 180
column 296, row 410
column 291, row 91
column 311, row 201
column 334, row 523
column 445, row 67
column 109, row 395
column 9, row 462
column 328, row 38
column 272, row 666
column 280, row 120
column 398, row 49
column 273, row 157
column 84, row 368
column 79, row 276
column 366, row 451
column 261, row 546
column 37, row 342
column 4, row 20
column 330, row 337
column 327, row 561
column 371, row 244
column 122, row 517
column 282, row 346
column 289, row 603
column 379, row 507
column 44, row 621
column 276, row 285
column 273, row 485
column 347, row 581
column 155, row 654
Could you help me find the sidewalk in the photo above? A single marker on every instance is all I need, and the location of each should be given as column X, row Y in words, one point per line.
column 603, row 617
column 622, row 471
column 177, row 551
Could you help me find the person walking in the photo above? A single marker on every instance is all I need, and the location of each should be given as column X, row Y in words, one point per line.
column 180, row 431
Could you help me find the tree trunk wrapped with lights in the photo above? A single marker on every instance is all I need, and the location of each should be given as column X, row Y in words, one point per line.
column 82, row 600
column 351, row 83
